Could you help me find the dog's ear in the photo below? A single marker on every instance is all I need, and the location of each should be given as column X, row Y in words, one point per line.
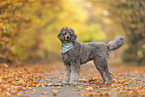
column 62, row 29
column 71, row 31
column 60, row 36
column 74, row 37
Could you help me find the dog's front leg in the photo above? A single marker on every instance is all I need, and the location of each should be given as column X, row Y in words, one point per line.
column 66, row 74
column 75, row 73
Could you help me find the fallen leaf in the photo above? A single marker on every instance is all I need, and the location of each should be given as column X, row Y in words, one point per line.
column 8, row 94
column 44, row 93
column 79, row 87
column 89, row 89
column 32, row 92
column 43, row 96
column 55, row 91
column 59, row 81
column 54, row 94
column 25, row 92
column 96, row 87
column 58, row 87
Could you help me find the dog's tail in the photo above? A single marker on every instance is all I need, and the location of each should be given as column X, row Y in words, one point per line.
column 116, row 43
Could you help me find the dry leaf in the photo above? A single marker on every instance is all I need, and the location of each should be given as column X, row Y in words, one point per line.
column 44, row 93
column 79, row 87
column 77, row 90
column 54, row 94
column 32, row 92
column 8, row 94
column 25, row 92
column 89, row 89
column 55, row 91
column 59, row 81
column 43, row 96
column 58, row 87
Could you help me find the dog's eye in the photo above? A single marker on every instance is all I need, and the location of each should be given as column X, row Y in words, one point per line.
column 70, row 32
column 63, row 32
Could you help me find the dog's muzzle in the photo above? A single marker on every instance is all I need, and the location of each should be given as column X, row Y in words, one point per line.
column 67, row 37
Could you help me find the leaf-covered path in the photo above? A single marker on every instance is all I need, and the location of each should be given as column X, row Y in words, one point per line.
column 45, row 81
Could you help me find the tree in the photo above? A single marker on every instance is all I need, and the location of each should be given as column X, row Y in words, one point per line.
column 9, row 27
column 130, row 15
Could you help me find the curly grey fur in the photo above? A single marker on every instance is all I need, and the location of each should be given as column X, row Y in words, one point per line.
column 118, row 42
column 84, row 52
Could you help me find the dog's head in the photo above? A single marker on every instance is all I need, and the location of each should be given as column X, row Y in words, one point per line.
column 67, row 35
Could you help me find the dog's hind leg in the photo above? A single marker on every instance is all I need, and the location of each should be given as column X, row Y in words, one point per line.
column 66, row 74
column 103, row 79
column 75, row 73
column 102, row 66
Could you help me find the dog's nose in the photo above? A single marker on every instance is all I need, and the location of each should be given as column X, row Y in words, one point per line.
column 67, row 37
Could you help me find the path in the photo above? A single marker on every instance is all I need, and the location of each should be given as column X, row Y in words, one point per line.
column 127, row 81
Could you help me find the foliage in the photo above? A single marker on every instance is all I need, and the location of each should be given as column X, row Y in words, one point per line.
column 125, row 17
column 130, row 15
column 9, row 27
column 91, row 33
column 28, row 27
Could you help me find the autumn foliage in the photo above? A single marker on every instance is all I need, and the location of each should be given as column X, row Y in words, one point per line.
column 28, row 28
column 130, row 15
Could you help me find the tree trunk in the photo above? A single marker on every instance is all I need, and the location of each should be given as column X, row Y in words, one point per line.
column 135, row 53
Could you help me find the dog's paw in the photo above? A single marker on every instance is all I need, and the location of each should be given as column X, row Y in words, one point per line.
column 102, row 82
column 108, row 82
column 73, row 84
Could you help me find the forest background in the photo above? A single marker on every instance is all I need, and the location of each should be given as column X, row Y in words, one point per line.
column 28, row 28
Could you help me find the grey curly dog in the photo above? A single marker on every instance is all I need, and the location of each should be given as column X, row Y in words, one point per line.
column 75, row 53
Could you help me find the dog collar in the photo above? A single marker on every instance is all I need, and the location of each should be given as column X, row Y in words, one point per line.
column 66, row 47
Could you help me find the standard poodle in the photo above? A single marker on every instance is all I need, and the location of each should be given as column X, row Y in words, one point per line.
column 75, row 53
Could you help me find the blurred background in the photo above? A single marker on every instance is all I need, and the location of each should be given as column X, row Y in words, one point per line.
column 29, row 28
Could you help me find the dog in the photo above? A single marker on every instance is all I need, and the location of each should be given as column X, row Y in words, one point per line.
column 75, row 53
